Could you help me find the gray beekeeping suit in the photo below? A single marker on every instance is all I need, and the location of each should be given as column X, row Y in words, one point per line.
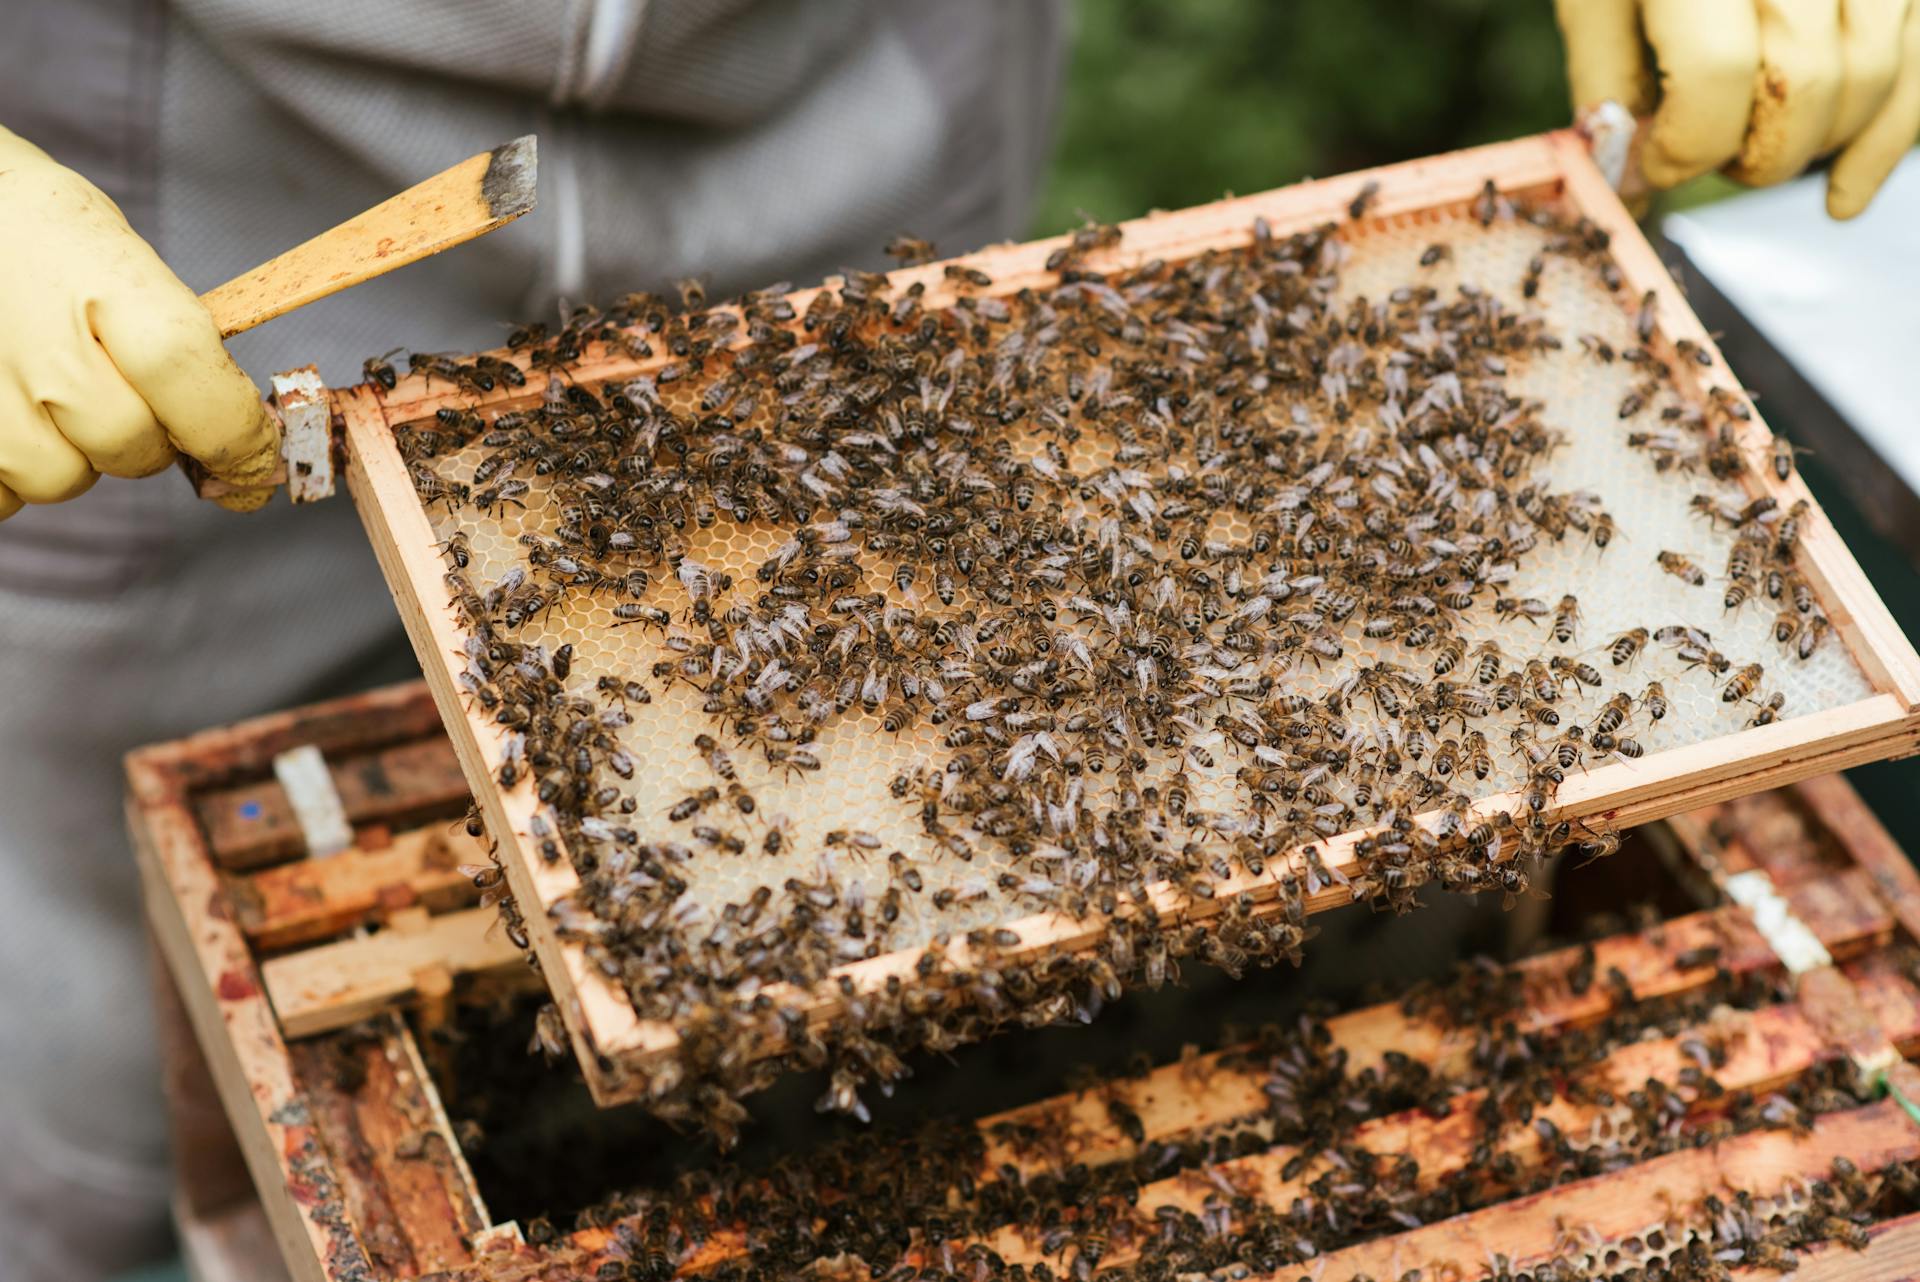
column 737, row 140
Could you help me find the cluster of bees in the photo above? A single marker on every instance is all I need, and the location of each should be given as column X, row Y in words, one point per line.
column 1016, row 1200
column 1176, row 570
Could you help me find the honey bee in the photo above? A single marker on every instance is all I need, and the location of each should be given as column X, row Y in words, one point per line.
column 1769, row 710
column 379, row 369
column 1528, row 608
column 1363, row 201
column 1621, row 745
column 1811, row 635
column 911, row 251
column 687, row 807
column 1688, row 350
column 1683, row 569
column 501, row 371
column 1627, row 646
column 1603, row 531
column 1729, row 403
column 961, row 274
column 1487, row 205
column 1741, row 557
column 1742, row 683
column 1128, row 1121
column 1654, row 700
column 1611, row 717
column 429, row 364
column 1478, row 759
column 1566, row 669
column 717, row 759
column 1094, row 236
column 431, row 489
column 1566, row 751
column 525, row 336
column 1566, row 619
column 458, row 550
column 1787, row 534
column 1530, row 283
column 1682, row 634
column 1713, row 509
column 1436, row 253
column 1723, row 455
column 633, row 612
column 1780, row 457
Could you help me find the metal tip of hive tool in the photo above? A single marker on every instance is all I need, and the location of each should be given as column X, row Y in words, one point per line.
column 508, row 185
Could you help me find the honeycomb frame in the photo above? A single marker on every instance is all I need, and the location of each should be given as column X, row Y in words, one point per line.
column 615, row 1047
column 290, row 1111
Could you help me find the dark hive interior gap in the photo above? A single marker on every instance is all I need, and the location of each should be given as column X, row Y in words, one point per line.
column 847, row 633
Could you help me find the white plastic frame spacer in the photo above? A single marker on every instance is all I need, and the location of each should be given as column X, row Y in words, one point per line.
column 306, row 419
column 316, row 804
column 1797, row 947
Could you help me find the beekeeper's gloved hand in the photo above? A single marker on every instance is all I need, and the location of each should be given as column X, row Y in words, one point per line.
column 108, row 363
column 1760, row 88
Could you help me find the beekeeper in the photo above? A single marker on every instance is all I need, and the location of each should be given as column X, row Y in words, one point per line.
column 153, row 148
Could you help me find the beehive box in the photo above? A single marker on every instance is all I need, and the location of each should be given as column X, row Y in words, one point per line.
column 448, row 505
column 1697, row 1087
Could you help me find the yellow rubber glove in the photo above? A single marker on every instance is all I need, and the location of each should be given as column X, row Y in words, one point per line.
column 108, row 363
column 1760, row 88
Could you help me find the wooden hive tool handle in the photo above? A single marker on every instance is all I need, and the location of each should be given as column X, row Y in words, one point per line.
column 470, row 199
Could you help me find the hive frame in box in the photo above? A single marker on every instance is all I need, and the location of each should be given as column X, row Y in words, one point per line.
column 213, row 920
column 611, row 1039
column 343, row 1210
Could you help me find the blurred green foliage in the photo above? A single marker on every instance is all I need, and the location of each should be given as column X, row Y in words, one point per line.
column 1174, row 102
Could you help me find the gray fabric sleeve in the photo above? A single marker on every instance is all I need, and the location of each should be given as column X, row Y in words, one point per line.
column 714, row 62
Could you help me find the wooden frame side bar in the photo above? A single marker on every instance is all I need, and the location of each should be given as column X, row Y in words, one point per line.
column 407, row 1180
column 404, row 544
column 1858, row 831
column 233, row 1020
column 1858, row 615
column 303, row 1193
